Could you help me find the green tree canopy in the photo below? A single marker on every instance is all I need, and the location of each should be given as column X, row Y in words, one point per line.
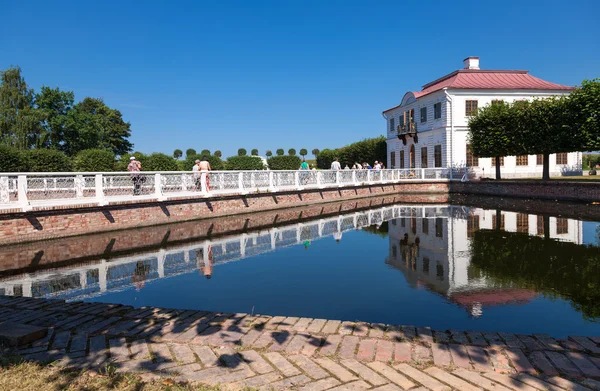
column 315, row 152
column 178, row 153
column 280, row 152
column 205, row 152
column 190, row 152
column 254, row 152
column 218, row 153
column 268, row 153
column 159, row 162
column 90, row 160
column 242, row 152
column 303, row 152
column 55, row 105
column 292, row 152
column 284, row 162
column 244, row 163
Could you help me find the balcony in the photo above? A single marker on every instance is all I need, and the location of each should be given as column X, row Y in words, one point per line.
column 408, row 130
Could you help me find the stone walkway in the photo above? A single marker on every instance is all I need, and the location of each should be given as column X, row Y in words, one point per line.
column 240, row 350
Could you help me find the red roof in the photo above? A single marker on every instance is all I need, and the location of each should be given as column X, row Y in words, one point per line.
column 488, row 79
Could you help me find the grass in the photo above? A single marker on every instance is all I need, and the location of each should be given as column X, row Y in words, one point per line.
column 16, row 374
column 587, row 178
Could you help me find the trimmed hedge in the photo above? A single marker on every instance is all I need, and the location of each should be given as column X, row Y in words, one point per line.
column 214, row 161
column 94, row 160
column 48, row 160
column 12, row 160
column 325, row 158
column 159, row 162
column 367, row 150
column 244, row 163
column 284, row 162
column 123, row 162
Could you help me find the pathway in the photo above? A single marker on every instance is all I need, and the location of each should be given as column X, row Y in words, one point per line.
column 239, row 350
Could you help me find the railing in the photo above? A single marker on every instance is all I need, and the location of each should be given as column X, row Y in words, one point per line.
column 27, row 190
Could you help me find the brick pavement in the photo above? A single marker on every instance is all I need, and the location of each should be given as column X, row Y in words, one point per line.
column 263, row 352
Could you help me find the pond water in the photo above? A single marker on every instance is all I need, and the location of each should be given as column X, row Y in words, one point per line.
column 442, row 266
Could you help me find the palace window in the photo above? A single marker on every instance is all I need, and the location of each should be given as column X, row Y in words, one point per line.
column 437, row 110
column 425, row 226
column 561, row 158
column 439, row 271
column 539, row 159
column 540, row 225
column 392, row 159
column 423, row 114
column 426, row 265
column 401, row 159
column 522, row 222
column 472, row 160
column 501, row 161
column 439, row 227
column 562, row 226
column 437, row 156
column 522, row 160
column 424, row 157
column 472, row 225
column 470, row 108
column 392, row 125
column 495, row 222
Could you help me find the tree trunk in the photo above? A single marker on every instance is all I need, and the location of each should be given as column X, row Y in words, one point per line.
column 498, row 226
column 546, row 227
column 546, row 169
column 498, row 167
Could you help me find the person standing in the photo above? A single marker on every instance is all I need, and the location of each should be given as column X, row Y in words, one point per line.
column 304, row 175
column 204, row 167
column 135, row 167
column 197, row 176
column 336, row 165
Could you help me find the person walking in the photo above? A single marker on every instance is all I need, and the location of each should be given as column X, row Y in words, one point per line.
column 304, row 175
column 204, row 168
column 135, row 167
column 336, row 165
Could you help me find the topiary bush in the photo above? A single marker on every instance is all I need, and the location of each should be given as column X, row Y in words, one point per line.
column 325, row 158
column 367, row 150
column 94, row 160
column 244, row 163
column 284, row 162
column 214, row 161
column 159, row 162
column 48, row 160
column 12, row 160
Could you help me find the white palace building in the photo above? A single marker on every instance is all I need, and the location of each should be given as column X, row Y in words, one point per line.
column 429, row 128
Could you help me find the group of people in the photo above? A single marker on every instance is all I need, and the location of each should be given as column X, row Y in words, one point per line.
column 357, row 166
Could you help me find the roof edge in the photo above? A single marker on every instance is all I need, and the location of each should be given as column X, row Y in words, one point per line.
column 517, row 71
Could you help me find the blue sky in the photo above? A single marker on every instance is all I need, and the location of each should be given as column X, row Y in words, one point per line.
column 269, row 74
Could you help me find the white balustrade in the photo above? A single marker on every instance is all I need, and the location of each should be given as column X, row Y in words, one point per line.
column 27, row 190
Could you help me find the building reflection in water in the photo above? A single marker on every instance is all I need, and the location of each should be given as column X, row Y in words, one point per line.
column 434, row 252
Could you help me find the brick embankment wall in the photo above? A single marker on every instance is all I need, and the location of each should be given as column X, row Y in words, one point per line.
column 47, row 223
column 578, row 191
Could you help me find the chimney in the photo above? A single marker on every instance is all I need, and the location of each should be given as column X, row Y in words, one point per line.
column 471, row 63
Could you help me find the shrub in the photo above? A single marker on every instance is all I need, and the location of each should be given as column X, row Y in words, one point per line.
column 284, row 162
column 190, row 152
column 254, row 152
column 12, row 160
column 315, row 152
column 214, row 161
column 292, row 152
column 242, row 152
column 268, row 153
column 94, row 160
column 47, row 160
column 177, row 153
column 325, row 158
column 280, row 152
column 367, row 150
column 244, row 163
column 303, row 152
column 205, row 152
column 218, row 154
column 159, row 162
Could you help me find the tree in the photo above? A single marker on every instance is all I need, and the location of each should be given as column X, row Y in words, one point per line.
column 242, row 152
column 190, row 152
column 280, row 152
column 205, row 152
column 178, row 153
column 584, row 107
column 92, row 124
column 244, row 163
column 303, row 152
column 90, row 160
column 292, row 152
column 315, row 152
column 19, row 120
column 254, row 152
column 218, row 153
column 160, row 162
column 55, row 106
column 268, row 153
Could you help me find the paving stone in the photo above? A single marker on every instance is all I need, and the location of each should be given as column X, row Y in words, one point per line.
column 331, row 327
column 251, row 336
column 493, row 339
column 161, row 352
column 377, row 330
column 425, row 335
column 591, row 383
column 585, row 366
column 548, row 342
column 422, row 354
column 366, row 350
column 61, row 340
column 316, row 325
column 274, row 322
column 257, row 381
column 567, row 384
column 336, row 369
column 570, row 345
column 460, row 356
column 263, row 340
column 321, row 385
column 392, row 375
column 424, row 379
column 348, row 346
column 79, row 342
column 519, row 361
column 441, row 337
column 476, row 338
column 358, row 385
column 361, row 329
column 586, row 343
column 15, row 334
column 118, row 349
column 385, row 351
column 452, row 380
column 330, row 345
column 542, row 363
column 283, row 365
column 286, row 384
column 530, row 343
column 498, row 360
column 364, row 372
column 308, row 366
column 183, row 353
column 230, row 358
column 511, row 340
column 395, row 334
column 225, row 338
column 206, row 355
column 409, row 332
column 481, row 381
column 296, row 344
column 280, row 339
column 508, row 381
column 256, row 362
column 302, row 324
column 139, row 350
column 101, row 325
column 202, row 337
column 536, row 383
column 563, row 364
column 311, row 346
column 459, row 337
column 346, row 328
column 387, row 387
column 231, row 377
column 441, row 355
column 97, row 343
column 479, row 358
column 402, row 351
column 123, row 326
